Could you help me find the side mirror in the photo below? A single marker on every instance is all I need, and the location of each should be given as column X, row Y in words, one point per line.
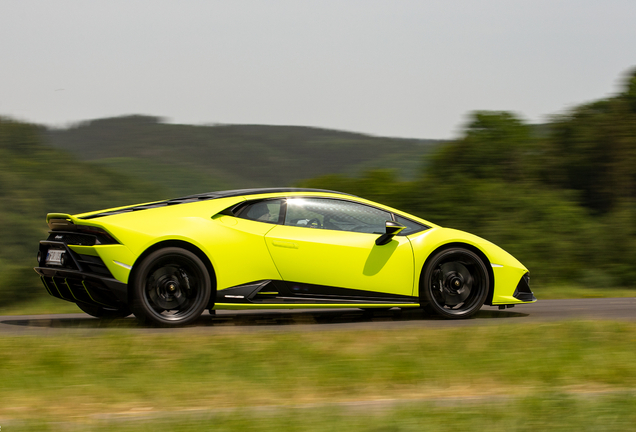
column 392, row 229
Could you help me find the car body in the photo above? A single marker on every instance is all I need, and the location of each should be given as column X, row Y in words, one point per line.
column 168, row 261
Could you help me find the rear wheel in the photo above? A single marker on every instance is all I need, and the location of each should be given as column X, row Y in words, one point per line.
column 454, row 283
column 104, row 312
column 171, row 287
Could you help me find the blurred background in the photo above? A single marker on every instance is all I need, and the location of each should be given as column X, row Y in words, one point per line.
column 560, row 195
column 512, row 121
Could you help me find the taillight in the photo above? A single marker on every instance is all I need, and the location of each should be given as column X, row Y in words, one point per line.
column 101, row 236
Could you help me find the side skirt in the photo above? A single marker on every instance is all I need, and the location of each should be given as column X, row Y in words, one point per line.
column 239, row 306
column 276, row 293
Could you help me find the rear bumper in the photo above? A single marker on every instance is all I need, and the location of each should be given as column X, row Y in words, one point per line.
column 76, row 286
column 80, row 278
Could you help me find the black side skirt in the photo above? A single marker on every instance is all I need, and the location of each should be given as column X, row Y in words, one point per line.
column 284, row 292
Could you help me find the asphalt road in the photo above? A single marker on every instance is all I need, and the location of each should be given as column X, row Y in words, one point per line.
column 622, row 309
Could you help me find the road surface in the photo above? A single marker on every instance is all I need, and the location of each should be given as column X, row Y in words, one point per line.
column 622, row 309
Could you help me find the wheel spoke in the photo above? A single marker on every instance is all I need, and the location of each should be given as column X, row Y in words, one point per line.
column 457, row 283
column 174, row 287
column 185, row 282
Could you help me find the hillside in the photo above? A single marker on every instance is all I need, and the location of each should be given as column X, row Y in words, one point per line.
column 36, row 179
column 190, row 159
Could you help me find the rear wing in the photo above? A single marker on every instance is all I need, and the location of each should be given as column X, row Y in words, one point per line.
column 61, row 221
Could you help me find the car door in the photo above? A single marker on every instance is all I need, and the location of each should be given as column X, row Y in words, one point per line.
column 331, row 242
column 240, row 253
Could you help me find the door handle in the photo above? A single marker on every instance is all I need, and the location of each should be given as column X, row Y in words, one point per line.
column 284, row 244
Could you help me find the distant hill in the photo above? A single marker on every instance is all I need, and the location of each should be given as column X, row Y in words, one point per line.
column 36, row 179
column 189, row 159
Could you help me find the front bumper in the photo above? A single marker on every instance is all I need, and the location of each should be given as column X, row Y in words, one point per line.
column 523, row 292
column 511, row 286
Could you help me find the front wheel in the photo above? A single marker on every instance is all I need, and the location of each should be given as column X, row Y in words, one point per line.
column 171, row 288
column 454, row 283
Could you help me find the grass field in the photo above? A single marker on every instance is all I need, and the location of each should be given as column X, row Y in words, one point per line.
column 570, row 292
column 507, row 377
column 43, row 304
column 553, row 412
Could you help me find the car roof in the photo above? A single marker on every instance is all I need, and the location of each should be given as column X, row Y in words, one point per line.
column 253, row 191
column 207, row 196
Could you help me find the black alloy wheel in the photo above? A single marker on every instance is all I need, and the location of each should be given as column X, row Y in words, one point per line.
column 454, row 283
column 104, row 312
column 171, row 288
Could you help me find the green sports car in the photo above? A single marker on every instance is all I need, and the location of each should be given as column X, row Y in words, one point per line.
column 168, row 261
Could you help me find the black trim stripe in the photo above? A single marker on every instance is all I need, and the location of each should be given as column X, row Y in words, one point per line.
column 285, row 292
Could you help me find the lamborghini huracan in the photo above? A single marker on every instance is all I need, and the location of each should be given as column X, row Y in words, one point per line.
column 168, row 261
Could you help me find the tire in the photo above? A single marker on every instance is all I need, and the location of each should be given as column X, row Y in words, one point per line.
column 170, row 288
column 454, row 283
column 103, row 312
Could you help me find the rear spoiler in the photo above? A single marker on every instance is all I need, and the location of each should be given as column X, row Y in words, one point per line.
column 67, row 222
column 61, row 221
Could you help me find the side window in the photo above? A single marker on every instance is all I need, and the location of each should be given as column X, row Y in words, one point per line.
column 262, row 211
column 411, row 227
column 335, row 214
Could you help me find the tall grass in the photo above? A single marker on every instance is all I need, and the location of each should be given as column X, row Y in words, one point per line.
column 78, row 375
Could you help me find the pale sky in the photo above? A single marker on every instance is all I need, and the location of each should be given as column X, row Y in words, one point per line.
column 395, row 68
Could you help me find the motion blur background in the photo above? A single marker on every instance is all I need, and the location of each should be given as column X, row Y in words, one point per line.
column 515, row 121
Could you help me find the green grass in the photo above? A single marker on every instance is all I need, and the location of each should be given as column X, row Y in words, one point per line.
column 554, row 412
column 41, row 304
column 572, row 292
column 70, row 378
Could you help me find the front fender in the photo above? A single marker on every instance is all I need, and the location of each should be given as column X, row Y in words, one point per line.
column 506, row 269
